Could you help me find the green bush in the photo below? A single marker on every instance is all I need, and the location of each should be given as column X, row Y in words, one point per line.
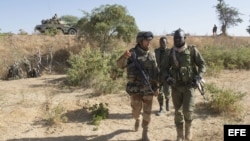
column 99, row 112
column 92, row 68
column 213, row 57
column 51, row 31
column 224, row 101
column 220, row 57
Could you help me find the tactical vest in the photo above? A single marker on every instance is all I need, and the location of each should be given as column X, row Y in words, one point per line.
column 136, row 82
column 185, row 72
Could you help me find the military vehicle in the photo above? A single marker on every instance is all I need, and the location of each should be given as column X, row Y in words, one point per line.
column 61, row 26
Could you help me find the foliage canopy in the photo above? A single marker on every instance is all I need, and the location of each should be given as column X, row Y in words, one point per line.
column 69, row 19
column 106, row 23
column 248, row 29
column 228, row 16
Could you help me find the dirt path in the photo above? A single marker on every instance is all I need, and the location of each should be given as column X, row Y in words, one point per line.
column 25, row 103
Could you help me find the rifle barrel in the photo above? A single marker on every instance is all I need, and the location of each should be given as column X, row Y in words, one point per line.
column 201, row 90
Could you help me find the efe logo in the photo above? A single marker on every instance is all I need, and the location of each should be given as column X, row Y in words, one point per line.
column 236, row 132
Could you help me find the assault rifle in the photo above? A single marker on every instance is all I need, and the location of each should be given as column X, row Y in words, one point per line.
column 138, row 66
column 199, row 83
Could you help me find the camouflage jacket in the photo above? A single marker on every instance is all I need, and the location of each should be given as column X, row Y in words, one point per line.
column 160, row 54
column 148, row 63
column 183, row 65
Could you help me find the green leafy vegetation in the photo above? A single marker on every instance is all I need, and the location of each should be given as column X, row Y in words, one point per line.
column 227, row 16
column 224, row 100
column 51, row 31
column 107, row 23
column 93, row 69
column 221, row 57
column 99, row 112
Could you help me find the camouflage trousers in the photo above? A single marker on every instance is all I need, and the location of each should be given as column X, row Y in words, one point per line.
column 142, row 103
column 183, row 100
column 164, row 91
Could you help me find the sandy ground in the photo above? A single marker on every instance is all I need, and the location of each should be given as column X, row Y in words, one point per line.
column 26, row 104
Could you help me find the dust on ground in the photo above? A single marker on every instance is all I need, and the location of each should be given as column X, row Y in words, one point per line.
column 26, row 103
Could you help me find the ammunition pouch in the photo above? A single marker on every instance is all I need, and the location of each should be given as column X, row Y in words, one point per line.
column 186, row 74
column 139, row 88
column 133, row 88
column 182, row 75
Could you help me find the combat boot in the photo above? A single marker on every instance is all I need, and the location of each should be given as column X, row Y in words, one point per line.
column 179, row 130
column 167, row 105
column 188, row 132
column 137, row 124
column 145, row 134
column 161, row 110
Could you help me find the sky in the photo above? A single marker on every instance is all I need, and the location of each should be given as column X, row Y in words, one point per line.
column 196, row 17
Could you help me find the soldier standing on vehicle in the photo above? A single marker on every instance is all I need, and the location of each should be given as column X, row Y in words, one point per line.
column 164, row 90
column 141, row 67
column 55, row 17
column 180, row 72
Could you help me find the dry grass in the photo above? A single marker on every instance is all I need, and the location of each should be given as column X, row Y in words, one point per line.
column 13, row 48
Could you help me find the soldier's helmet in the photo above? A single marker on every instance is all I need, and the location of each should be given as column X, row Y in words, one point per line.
column 179, row 37
column 144, row 35
column 179, row 33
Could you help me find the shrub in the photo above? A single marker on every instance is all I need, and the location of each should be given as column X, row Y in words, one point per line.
column 51, row 31
column 220, row 57
column 92, row 68
column 224, row 101
column 99, row 112
column 55, row 115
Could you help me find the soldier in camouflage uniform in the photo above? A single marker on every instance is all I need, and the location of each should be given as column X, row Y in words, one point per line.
column 164, row 90
column 183, row 67
column 15, row 72
column 140, row 93
column 27, row 66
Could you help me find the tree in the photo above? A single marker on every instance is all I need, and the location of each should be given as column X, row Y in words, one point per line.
column 228, row 16
column 22, row 32
column 248, row 29
column 69, row 19
column 106, row 23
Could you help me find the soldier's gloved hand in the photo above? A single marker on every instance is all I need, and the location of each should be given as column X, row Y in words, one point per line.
column 196, row 80
column 170, row 80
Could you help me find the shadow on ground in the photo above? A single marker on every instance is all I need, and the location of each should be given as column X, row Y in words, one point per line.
column 107, row 137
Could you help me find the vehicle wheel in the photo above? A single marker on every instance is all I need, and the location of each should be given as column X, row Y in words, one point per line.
column 72, row 32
